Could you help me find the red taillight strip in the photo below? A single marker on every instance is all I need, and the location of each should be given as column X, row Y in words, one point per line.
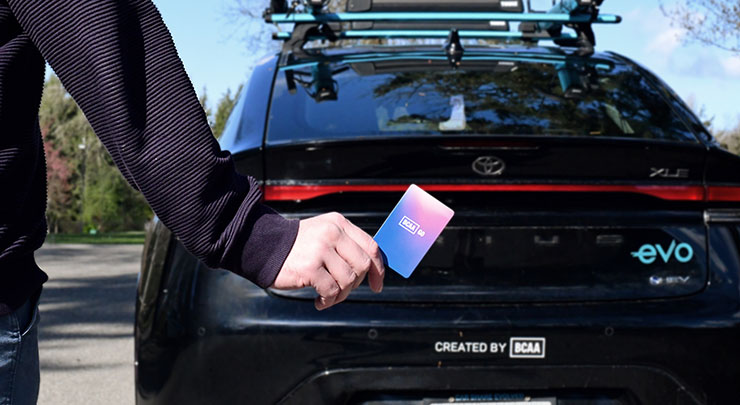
column 306, row 192
column 723, row 193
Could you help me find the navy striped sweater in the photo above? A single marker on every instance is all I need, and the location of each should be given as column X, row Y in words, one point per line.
column 117, row 59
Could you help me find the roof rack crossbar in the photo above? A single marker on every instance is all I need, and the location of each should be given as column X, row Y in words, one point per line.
column 444, row 16
column 545, row 59
column 367, row 34
column 303, row 65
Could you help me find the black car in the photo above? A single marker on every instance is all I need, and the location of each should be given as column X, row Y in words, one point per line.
column 594, row 257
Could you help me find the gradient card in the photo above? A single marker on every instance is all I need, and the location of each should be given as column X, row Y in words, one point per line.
column 411, row 229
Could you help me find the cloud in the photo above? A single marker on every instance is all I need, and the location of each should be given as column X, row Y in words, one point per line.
column 706, row 63
column 702, row 63
column 651, row 37
column 659, row 34
column 666, row 42
column 664, row 48
column 731, row 66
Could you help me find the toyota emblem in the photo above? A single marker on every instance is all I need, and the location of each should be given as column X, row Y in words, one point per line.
column 489, row 166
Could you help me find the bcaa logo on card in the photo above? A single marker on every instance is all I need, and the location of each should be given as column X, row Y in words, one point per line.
column 411, row 226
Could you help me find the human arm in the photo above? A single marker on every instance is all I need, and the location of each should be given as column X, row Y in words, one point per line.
column 117, row 59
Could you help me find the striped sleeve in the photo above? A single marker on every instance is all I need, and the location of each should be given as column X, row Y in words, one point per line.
column 118, row 61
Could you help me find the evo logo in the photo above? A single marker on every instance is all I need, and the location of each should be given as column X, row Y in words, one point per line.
column 411, row 226
column 648, row 253
column 527, row 348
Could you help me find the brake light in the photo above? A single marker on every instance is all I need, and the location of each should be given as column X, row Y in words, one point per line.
column 723, row 193
column 307, row 192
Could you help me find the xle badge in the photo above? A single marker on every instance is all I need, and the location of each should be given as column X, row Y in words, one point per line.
column 667, row 173
column 527, row 348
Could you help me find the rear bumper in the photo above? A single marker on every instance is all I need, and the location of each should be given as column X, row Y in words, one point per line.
column 208, row 336
column 612, row 384
column 242, row 345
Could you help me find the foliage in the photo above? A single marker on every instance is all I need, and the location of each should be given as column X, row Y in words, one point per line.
column 203, row 100
column 730, row 139
column 59, row 193
column 133, row 238
column 85, row 189
column 110, row 204
column 710, row 22
column 246, row 17
column 223, row 111
column 59, row 120
column 701, row 112
column 727, row 138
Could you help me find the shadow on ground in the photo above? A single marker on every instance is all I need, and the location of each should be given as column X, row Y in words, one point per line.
column 89, row 300
column 88, row 286
column 86, row 344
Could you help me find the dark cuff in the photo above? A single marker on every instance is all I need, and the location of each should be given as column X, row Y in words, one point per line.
column 270, row 239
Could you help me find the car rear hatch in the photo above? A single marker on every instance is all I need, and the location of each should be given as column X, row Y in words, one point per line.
column 558, row 197
column 568, row 220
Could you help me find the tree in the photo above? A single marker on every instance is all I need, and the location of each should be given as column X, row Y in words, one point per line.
column 85, row 189
column 62, row 133
column 710, row 22
column 730, row 139
column 223, row 111
column 701, row 112
column 110, row 204
column 59, row 188
column 203, row 100
column 246, row 17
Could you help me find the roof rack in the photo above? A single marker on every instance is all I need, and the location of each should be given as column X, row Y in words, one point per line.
column 387, row 19
column 368, row 34
column 315, row 74
column 519, row 57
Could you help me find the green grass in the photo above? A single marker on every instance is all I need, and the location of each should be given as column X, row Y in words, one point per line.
column 128, row 238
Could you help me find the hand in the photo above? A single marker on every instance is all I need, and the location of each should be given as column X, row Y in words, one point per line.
column 332, row 255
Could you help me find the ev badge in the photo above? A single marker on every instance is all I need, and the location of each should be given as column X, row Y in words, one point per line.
column 489, row 166
column 648, row 253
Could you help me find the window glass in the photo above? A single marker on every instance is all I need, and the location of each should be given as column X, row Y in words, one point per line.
column 494, row 98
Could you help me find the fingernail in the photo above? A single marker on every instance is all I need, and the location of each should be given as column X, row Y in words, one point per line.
column 320, row 304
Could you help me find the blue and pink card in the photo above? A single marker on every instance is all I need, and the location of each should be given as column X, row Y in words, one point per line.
column 411, row 229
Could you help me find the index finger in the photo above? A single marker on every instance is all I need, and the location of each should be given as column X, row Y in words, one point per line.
column 368, row 244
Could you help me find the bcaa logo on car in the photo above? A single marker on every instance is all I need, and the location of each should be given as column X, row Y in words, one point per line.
column 527, row 348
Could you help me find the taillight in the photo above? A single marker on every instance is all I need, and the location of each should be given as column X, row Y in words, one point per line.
column 723, row 193
column 671, row 193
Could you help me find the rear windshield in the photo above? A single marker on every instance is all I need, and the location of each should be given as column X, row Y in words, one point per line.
column 429, row 98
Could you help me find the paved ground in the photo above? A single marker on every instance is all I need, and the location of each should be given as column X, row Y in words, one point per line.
column 86, row 330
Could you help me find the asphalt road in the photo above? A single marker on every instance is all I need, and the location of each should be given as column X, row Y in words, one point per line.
column 86, row 342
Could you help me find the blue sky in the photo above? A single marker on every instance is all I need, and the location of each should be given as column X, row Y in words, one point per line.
column 216, row 55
